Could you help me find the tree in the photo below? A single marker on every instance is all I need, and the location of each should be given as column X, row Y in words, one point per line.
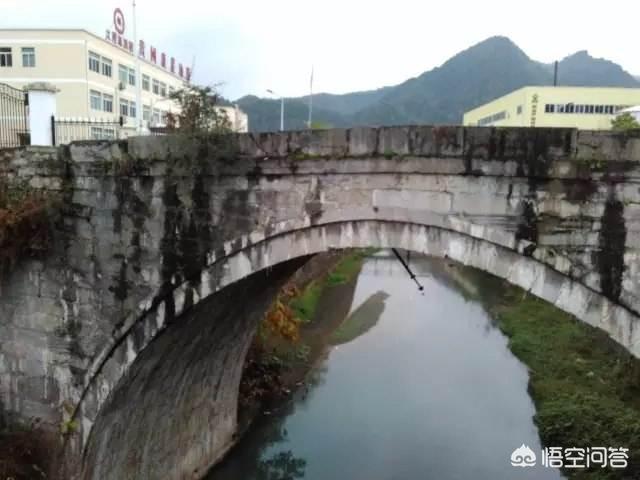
column 320, row 125
column 200, row 112
column 625, row 121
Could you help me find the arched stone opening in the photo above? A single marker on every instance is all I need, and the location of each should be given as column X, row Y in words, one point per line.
column 142, row 392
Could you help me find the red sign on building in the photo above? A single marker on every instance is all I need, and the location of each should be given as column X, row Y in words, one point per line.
column 117, row 38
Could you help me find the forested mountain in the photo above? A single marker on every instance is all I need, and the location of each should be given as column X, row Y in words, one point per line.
column 475, row 76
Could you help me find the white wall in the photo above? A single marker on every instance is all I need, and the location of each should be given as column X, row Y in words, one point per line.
column 42, row 105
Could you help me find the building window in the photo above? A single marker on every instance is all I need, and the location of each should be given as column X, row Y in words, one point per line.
column 106, row 67
column 156, row 116
column 146, row 113
column 6, row 59
column 124, row 108
column 107, row 103
column 156, row 87
column 94, row 62
column 28, row 57
column 132, row 77
column 145, row 82
column 132, row 109
column 95, row 100
column 97, row 133
column 123, row 74
column 608, row 109
column 496, row 117
column 519, row 110
column 569, row 108
column 163, row 89
column 549, row 108
column 599, row 108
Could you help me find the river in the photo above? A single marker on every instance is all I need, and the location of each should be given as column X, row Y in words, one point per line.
column 429, row 390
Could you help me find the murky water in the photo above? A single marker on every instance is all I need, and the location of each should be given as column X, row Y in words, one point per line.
column 429, row 391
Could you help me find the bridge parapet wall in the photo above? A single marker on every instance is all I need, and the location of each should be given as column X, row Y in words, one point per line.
column 37, row 167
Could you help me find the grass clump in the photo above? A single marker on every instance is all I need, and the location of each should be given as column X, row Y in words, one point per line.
column 585, row 386
column 305, row 304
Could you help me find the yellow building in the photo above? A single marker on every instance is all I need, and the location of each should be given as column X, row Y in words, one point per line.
column 96, row 76
column 587, row 108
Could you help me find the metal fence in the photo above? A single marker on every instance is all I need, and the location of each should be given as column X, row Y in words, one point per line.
column 70, row 130
column 14, row 123
column 155, row 131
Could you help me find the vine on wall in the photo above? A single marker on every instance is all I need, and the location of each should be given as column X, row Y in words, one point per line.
column 25, row 223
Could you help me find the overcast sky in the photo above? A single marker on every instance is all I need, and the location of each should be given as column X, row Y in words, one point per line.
column 354, row 45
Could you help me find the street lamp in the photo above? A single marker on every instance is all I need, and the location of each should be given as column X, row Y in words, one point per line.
column 281, row 109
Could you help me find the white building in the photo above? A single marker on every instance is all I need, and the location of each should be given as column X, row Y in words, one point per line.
column 96, row 76
column 634, row 111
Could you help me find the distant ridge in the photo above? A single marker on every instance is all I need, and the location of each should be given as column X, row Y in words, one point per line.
column 487, row 70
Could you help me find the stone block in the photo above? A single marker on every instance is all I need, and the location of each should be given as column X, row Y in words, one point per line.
column 363, row 141
column 393, row 141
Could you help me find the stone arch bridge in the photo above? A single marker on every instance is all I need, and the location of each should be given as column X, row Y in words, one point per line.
column 169, row 249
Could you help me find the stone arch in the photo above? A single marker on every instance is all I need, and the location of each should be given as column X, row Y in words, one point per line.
column 258, row 252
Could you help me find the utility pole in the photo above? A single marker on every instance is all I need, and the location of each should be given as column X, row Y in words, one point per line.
column 136, row 55
column 281, row 108
column 555, row 74
column 310, row 98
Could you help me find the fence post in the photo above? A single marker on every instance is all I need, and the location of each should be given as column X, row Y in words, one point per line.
column 42, row 106
column 53, row 130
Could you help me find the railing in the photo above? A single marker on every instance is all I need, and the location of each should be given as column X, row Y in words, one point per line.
column 14, row 123
column 155, row 131
column 70, row 130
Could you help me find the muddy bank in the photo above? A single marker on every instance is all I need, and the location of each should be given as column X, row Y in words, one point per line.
column 317, row 299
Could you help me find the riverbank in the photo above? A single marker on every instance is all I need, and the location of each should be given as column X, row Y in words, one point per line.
column 586, row 388
column 296, row 332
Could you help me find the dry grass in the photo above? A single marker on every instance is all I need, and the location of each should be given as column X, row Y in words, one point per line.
column 25, row 224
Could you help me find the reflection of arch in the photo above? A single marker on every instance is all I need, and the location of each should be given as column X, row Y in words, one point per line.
column 528, row 273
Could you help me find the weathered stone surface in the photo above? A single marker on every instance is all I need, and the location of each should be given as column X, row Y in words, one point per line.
column 153, row 227
column 178, row 403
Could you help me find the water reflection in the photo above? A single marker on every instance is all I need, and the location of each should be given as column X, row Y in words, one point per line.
column 361, row 320
column 281, row 466
column 424, row 387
